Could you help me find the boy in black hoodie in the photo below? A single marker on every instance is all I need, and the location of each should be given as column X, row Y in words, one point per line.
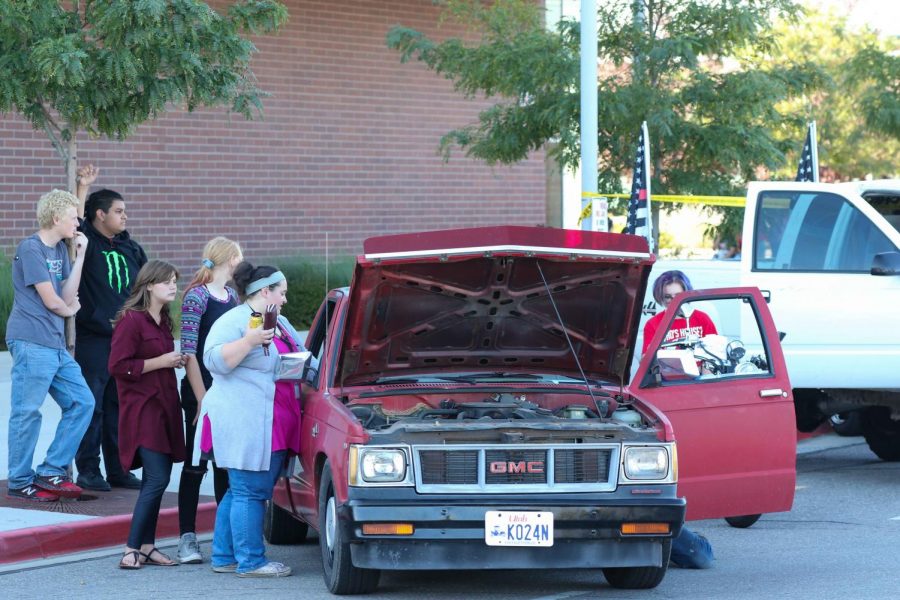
column 110, row 266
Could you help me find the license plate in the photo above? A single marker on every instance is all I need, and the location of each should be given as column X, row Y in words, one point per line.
column 517, row 528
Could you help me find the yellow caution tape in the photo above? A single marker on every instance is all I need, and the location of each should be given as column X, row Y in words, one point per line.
column 585, row 213
column 738, row 201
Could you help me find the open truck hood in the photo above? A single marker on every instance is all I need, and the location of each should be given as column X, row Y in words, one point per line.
column 473, row 300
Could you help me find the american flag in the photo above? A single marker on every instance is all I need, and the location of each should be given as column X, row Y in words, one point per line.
column 639, row 204
column 808, row 169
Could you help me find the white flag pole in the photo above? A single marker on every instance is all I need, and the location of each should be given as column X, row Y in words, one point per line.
column 589, row 115
column 649, row 219
column 814, row 150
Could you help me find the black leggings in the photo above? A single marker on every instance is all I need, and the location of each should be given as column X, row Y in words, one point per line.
column 191, row 477
column 157, row 471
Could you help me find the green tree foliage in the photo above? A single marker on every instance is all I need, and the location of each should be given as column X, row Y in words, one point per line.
column 857, row 107
column 106, row 67
column 698, row 82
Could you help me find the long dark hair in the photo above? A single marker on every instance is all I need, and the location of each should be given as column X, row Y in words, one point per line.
column 155, row 271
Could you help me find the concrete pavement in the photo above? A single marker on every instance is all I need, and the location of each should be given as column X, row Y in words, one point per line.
column 41, row 530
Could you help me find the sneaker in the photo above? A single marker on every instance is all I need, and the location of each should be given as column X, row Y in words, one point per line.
column 126, row 481
column 225, row 568
column 189, row 550
column 33, row 493
column 92, row 481
column 272, row 569
column 60, row 485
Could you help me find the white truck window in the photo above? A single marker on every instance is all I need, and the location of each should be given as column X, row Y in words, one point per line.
column 812, row 232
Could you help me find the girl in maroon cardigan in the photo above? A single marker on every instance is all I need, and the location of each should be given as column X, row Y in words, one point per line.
column 143, row 361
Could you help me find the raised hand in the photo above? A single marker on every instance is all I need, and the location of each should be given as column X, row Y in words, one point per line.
column 87, row 175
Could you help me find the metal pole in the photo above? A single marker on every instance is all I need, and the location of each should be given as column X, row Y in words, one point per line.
column 814, row 149
column 589, row 149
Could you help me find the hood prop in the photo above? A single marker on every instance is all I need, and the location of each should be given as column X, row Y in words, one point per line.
column 565, row 331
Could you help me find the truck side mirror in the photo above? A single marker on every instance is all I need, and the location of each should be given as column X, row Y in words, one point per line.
column 886, row 263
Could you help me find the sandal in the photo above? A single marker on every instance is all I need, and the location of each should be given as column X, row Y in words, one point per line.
column 157, row 563
column 131, row 566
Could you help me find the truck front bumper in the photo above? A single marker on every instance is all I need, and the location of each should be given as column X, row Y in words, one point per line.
column 450, row 534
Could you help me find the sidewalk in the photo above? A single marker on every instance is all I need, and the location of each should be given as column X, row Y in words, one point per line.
column 31, row 531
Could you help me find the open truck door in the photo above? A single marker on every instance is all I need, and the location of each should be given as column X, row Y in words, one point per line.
column 728, row 398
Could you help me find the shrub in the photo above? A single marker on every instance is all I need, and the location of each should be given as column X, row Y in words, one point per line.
column 306, row 281
column 6, row 295
column 307, row 286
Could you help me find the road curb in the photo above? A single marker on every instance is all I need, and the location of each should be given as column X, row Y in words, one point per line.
column 34, row 543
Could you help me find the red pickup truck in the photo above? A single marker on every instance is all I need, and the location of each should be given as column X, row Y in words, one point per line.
column 467, row 406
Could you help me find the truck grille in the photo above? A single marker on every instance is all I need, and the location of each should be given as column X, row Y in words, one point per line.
column 449, row 468
column 516, row 469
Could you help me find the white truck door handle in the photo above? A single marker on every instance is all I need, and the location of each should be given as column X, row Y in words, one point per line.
column 772, row 393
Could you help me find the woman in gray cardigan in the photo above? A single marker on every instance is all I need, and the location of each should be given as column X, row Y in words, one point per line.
column 237, row 416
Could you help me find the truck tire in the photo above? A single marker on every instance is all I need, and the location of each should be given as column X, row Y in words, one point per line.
column 639, row 578
column 882, row 433
column 341, row 577
column 280, row 527
column 742, row 522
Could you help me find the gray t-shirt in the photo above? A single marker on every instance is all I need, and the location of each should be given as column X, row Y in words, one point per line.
column 30, row 320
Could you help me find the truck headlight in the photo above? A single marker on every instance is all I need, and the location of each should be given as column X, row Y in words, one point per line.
column 382, row 465
column 646, row 462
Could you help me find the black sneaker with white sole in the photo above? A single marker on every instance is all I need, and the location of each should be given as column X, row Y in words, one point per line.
column 59, row 485
column 33, row 493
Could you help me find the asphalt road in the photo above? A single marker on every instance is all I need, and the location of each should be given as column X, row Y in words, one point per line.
column 840, row 541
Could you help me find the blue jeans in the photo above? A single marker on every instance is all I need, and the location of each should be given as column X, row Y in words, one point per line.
column 691, row 550
column 238, row 536
column 36, row 371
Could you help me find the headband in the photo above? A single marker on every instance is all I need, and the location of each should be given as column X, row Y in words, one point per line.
column 276, row 277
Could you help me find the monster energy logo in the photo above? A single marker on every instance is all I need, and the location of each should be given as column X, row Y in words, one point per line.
column 115, row 266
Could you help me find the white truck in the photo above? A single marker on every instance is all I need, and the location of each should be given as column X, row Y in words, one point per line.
column 827, row 256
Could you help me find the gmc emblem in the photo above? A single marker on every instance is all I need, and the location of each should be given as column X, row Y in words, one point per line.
column 531, row 466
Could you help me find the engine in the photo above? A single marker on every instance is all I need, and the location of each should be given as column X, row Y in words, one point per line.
column 497, row 407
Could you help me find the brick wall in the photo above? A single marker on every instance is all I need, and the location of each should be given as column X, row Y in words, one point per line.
column 348, row 145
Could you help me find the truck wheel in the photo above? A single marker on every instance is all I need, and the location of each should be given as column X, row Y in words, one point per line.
column 280, row 526
column 742, row 522
column 882, row 433
column 341, row 576
column 639, row 578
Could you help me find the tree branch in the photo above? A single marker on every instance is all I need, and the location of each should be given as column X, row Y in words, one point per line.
column 54, row 133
